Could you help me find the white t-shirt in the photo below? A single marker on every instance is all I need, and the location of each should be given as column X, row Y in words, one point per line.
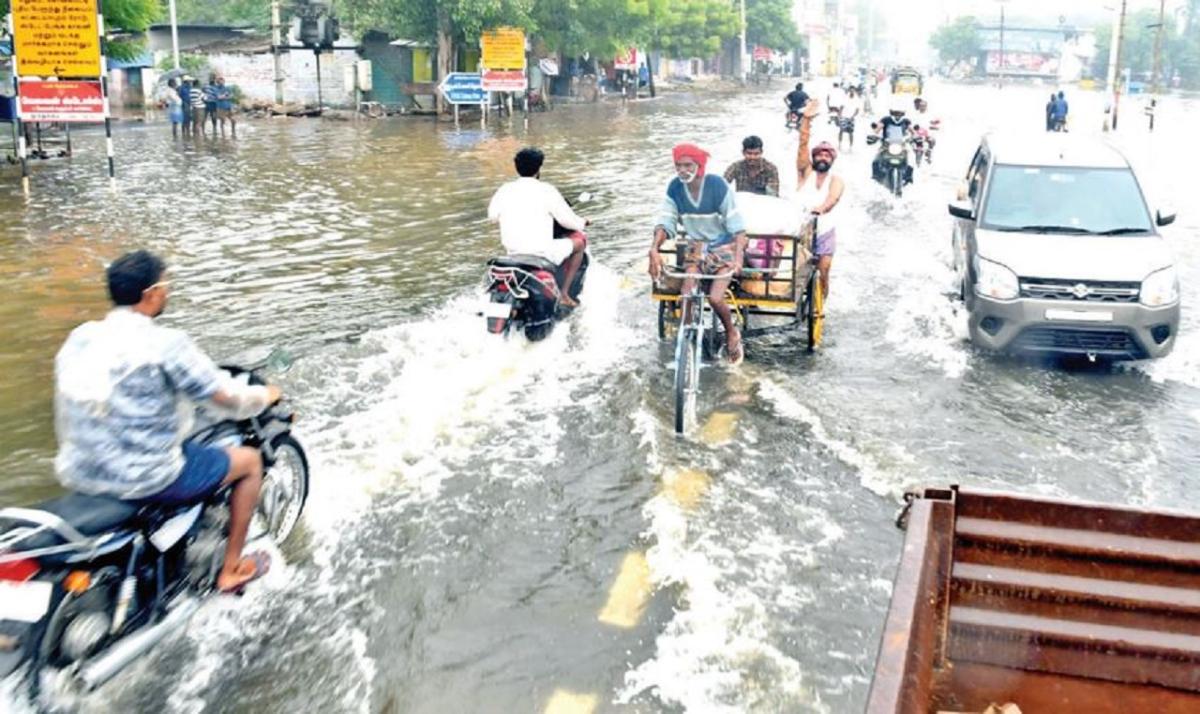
column 526, row 210
column 837, row 97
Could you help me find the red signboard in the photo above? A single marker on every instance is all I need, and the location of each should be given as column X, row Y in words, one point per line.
column 762, row 54
column 627, row 60
column 60, row 101
column 500, row 80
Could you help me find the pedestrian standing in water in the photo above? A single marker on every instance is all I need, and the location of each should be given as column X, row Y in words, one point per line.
column 1050, row 112
column 224, row 97
column 185, row 103
column 197, row 109
column 210, row 102
column 174, row 108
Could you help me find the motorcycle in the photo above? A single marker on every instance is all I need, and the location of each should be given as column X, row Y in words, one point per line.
column 920, row 148
column 88, row 584
column 523, row 293
column 891, row 167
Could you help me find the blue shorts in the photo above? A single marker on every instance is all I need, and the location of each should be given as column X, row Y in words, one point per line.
column 204, row 467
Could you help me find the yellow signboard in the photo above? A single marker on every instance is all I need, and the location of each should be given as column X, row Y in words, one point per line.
column 503, row 48
column 56, row 38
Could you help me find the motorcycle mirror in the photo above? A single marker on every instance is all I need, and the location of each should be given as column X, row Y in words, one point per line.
column 585, row 197
column 276, row 359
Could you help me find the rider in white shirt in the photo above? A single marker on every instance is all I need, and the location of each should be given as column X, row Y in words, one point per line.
column 527, row 209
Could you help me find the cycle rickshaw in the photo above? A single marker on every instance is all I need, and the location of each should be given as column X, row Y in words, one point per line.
column 778, row 285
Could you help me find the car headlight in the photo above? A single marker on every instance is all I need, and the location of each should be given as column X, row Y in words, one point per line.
column 895, row 149
column 1161, row 288
column 995, row 281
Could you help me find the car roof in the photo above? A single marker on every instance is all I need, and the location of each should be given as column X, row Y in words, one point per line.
column 1053, row 149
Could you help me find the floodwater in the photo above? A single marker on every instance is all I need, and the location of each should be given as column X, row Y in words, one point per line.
column 503, row 527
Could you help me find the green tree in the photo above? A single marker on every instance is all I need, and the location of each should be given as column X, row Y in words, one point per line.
column 692, row 28
column 600, row 27
column 255, row 13
column 957, row 41
column 1179, row 51
column 769, row 23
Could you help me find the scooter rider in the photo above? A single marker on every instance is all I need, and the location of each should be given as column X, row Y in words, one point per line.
column 123, row 404
column 892, row 128
column 527, row 208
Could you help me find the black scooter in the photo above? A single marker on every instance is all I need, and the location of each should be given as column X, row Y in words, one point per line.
column 891, row 166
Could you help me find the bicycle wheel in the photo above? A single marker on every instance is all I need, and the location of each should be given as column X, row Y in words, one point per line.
column 687, row 372
column 815, row 310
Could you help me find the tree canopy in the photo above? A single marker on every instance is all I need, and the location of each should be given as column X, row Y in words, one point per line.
column 1180, row 50
column 769, row 23
column 957, row 41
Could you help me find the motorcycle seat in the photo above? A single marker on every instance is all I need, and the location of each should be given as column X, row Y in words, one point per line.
column 91, row 515
column 524, row 262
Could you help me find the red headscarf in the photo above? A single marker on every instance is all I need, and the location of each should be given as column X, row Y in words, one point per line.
column 693, row 152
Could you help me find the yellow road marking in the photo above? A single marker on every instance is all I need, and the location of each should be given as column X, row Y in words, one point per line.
column 685, row 487
column 630, row 593
column 719, row 428
column 567, row 702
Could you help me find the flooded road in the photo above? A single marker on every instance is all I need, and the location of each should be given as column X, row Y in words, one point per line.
column 503, row 527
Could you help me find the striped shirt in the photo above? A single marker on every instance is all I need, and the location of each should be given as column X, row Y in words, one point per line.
column 712, row 217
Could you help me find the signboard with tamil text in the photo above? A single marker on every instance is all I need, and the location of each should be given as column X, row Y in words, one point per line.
column 54, row 101
column 502, row 48
column 463, row 88
column 495, row 80
column 56, row 38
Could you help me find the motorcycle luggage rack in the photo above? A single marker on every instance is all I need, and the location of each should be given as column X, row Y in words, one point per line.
column 46, row 522
column 508, row 276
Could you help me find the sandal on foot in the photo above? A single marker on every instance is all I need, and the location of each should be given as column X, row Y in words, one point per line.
column 261, row 563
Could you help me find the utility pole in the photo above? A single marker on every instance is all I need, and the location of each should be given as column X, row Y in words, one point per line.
column 1158, row 40
column 1000, row 63
column 174, row 33
column 276, row 41
column 742, row 56
column 1117, row 80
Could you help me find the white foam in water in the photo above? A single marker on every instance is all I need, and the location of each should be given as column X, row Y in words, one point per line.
column 435, row 388
column 720, row 635
column 872, row 475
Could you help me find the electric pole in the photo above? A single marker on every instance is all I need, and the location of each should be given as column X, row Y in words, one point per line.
column 1158, row 40
column 742, row 57
column 1117, row 82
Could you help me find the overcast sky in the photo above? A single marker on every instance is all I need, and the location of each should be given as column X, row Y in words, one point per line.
column 911, row 23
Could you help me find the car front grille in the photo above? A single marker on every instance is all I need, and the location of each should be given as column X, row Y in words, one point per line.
column 1084, row 290
column 1107, row 343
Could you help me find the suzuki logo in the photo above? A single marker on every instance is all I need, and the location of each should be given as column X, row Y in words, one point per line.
column 1081, row 291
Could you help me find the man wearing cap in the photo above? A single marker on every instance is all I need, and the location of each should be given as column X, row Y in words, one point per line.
column 703, row 205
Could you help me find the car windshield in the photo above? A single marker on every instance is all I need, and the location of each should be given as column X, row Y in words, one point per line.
column 1065, row 200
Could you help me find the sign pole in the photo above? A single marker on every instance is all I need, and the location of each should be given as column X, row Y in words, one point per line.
column 174, row 33
column 108, row 142
column 22, row 149
column 456, row 116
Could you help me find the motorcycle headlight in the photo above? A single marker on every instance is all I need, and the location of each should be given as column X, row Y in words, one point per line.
column 1160, row 288
column 895, row 149
column 995, row 281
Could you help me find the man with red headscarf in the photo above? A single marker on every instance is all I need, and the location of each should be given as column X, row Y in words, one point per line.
column 703, row 205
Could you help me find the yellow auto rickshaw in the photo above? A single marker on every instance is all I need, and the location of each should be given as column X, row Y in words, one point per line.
column 907, row 80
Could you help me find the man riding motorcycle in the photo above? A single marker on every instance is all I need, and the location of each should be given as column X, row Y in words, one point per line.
column 894, row 127
column 796, row 100
column 527, row 208
column 125, row 391
column 932, row 124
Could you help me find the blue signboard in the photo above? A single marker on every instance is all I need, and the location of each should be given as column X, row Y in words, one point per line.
column 463, row 88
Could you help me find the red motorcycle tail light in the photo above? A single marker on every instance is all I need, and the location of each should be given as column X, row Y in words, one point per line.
column 19, row 570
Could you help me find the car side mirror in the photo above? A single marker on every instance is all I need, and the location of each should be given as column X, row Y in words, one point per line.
column 963, row 210
column 1164, row 219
